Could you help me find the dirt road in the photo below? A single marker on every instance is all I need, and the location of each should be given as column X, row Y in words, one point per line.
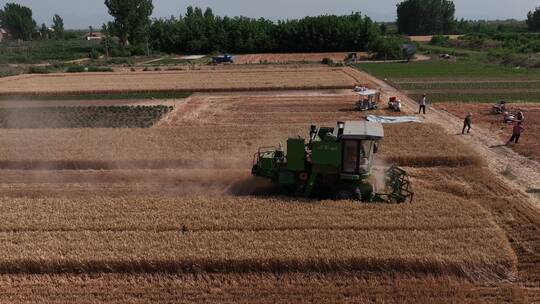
column 520, row 171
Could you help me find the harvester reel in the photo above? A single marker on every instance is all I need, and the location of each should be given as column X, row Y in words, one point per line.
column 399, row 185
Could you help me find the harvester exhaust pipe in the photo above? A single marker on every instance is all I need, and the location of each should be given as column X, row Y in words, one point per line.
column 341, row 128
column 312, row 133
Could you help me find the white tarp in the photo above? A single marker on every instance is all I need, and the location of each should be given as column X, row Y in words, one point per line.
column 393, row 119
column 192, row 57
column 363, row 91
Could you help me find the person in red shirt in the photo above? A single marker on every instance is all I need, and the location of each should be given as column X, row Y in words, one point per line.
column 516, row 133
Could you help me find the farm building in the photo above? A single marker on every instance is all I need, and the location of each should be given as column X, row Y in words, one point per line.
column 3, row 34
column 93, row 36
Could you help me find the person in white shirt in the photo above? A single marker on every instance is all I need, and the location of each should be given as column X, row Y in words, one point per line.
column 423, row 104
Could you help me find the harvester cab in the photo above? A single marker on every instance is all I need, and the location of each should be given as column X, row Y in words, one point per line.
column 369, row 99
column 333, row 162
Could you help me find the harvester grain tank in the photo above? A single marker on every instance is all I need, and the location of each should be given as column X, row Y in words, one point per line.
column 333, row 162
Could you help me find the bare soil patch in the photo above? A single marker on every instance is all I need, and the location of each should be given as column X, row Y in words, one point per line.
column 428, row 38
column 529, row 145
column 293, row 57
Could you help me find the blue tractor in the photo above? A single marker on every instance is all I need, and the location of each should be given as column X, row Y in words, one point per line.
column 225, row 58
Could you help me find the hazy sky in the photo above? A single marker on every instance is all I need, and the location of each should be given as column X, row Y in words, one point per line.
column 82, row 13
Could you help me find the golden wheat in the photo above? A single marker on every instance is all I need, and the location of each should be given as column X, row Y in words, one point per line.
column 248, row 288
column 234, row 234
column 180, row 81
column 224, row 146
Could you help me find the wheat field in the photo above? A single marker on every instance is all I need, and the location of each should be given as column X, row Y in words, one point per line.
column 231, row 234
column 171, row 214
column 180, row 81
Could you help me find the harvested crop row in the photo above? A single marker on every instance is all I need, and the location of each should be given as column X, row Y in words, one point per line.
column 431, row 210
column 247, row 110
column 435, row 252
column 178, row 81
column 428, row 148
column 83, row 117
column 220, row 146
column 511, row 210
column 247, row 288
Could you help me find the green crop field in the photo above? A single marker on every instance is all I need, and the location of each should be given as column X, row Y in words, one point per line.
column 464, row 80
column 45, row 50
column 470, row 85
column 447, row 70
column 450, row 50
column 478, row 97
column 83, row 117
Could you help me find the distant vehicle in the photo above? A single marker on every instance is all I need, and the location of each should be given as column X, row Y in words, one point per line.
column 351, row 58
column 225, row 58
column 369, row 99
column 445, row 56
column 408, row 50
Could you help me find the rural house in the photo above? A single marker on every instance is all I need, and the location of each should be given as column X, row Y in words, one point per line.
column 3, row 34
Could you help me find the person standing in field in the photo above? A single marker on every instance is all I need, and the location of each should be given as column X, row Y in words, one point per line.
column 467, row 123
column 516, row 133
column 520, row 117
column 423, row 104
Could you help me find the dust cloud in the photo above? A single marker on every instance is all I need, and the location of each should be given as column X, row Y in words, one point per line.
column 378, row 176
column 208, row 173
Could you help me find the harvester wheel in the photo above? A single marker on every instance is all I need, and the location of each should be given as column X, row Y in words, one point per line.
column 348, row 193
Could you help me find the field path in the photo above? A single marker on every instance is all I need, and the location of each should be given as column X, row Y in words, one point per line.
column 520, row 217
column 524, row 171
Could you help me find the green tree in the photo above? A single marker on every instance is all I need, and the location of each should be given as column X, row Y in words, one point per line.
column 44, row 31
column 533, row 20
column 18, row 21
column 426, row 17
column 58, row 27
column 389, row 48
column 201, row 31
column 131, row 19
column 383, row 28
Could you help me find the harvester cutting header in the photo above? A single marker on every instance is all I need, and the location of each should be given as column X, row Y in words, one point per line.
column 334, row 162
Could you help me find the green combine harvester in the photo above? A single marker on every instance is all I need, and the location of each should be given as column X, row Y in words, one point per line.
column 334, row 163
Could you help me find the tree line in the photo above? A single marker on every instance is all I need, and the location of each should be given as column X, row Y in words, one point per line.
column 204, row 32
column 201, row 31
column 18, row 21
